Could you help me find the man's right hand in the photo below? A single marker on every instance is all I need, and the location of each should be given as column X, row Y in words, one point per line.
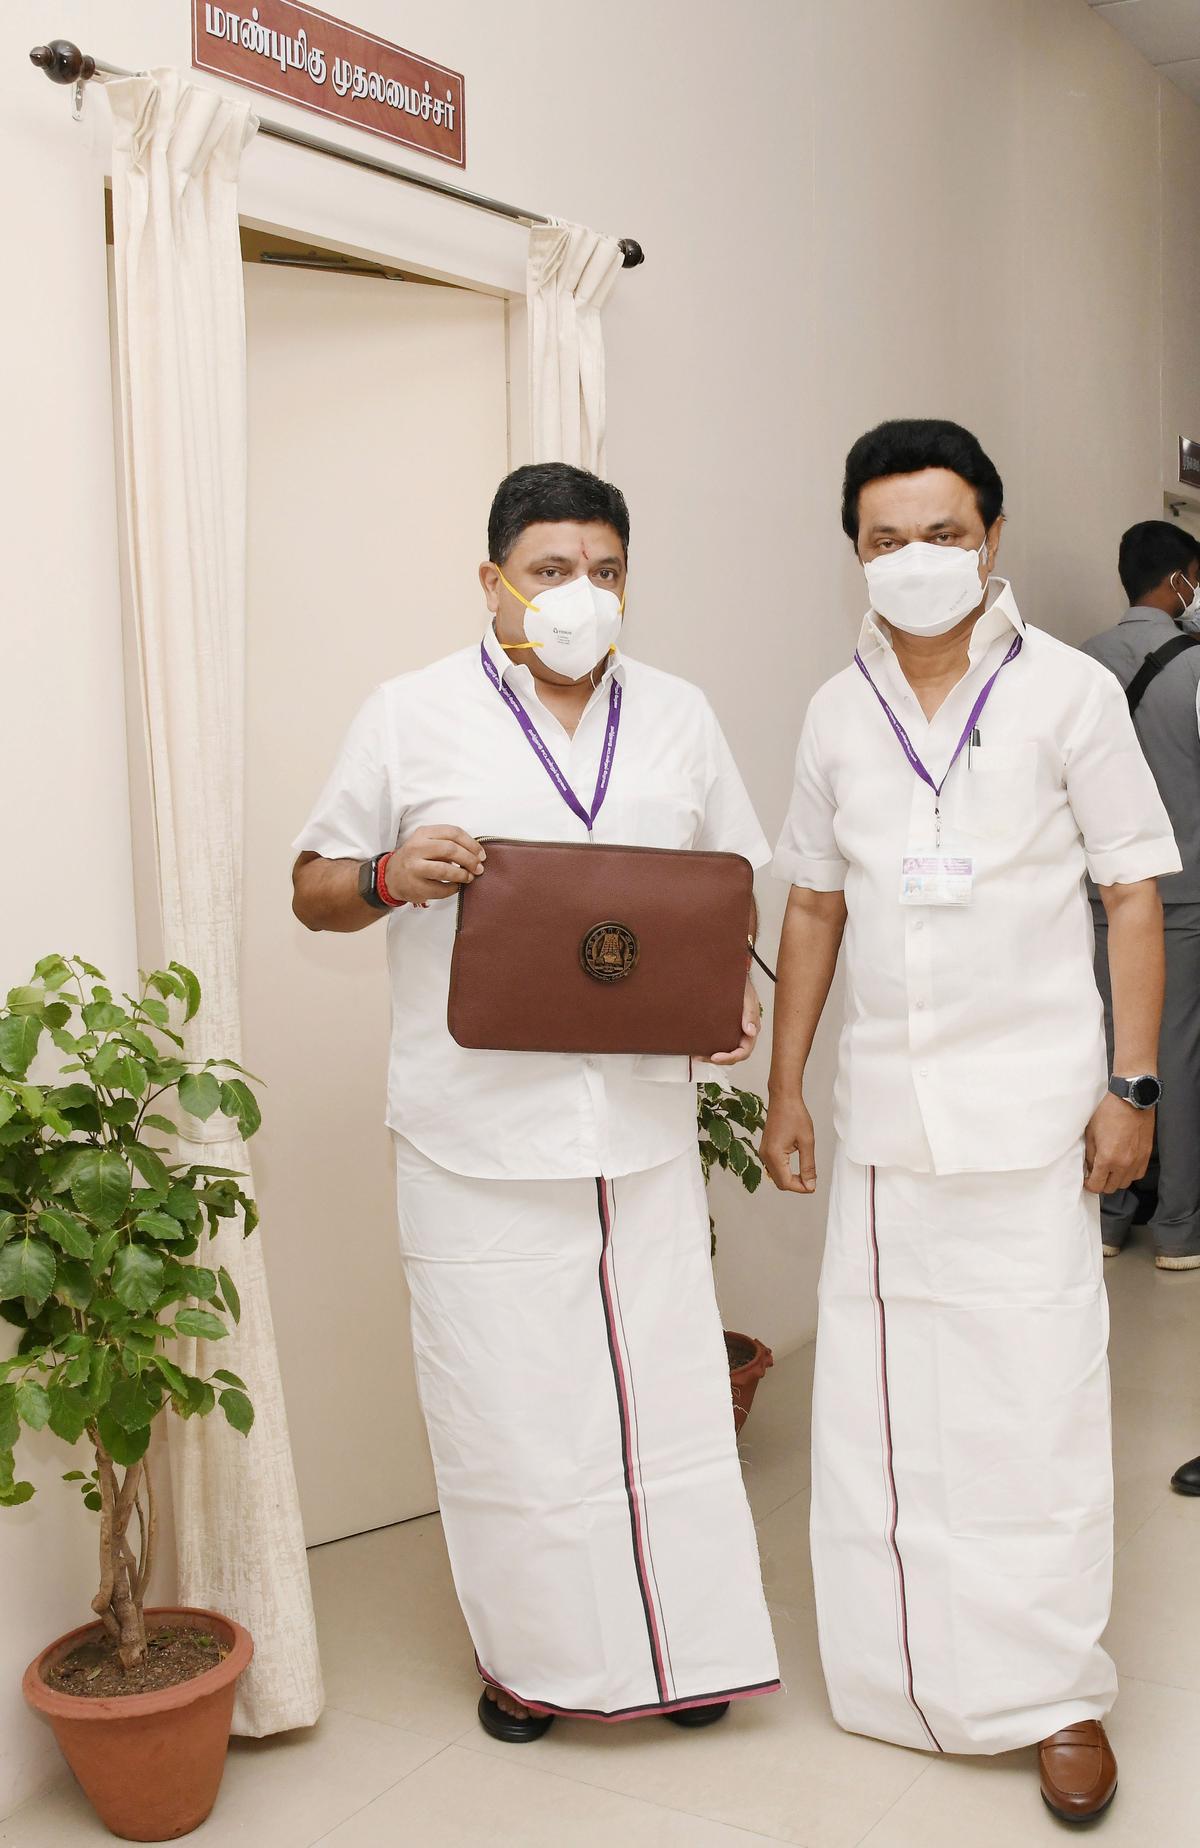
column 789, row 1131
column 431, row 862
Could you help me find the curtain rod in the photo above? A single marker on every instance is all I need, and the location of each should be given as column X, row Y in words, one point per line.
column 63, row 62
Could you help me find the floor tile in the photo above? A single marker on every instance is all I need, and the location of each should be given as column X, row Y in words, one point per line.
column 462, row 1800
column 1152, row 1435
column 994, row 1803
column 277, row 1793
column 394, row 1646
column 1155, row 1628
column 1155, row 1315
column 779, row 1765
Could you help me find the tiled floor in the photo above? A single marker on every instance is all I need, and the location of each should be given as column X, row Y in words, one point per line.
column 399, row 1757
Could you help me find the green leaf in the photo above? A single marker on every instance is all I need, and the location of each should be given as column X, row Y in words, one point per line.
column 122, row 1110
column 159, row 1225
column 73, row 1284
column 88, row 968
column 191, row 988
column 720, row 1134
column 132, row 1404
column 238, row 1409
column 19, row 1036
column 200, row 1094
column 27, row 1270
column 101, row 1186
column 27, row 1000
column 174, row 1376
column 752, row 1177
column 233, row 1301
column 102, row 1252
column 98, row 1378
column 92, row 1500
column 182, row 1203
column 126, row 1074
column 103, row 1016
column 161, row 1123
column 201, row 1323
column 71, row 1096
column 137, row 1277
column 230, row 1379
column 141, row 1042
column 738, row 1156
column 8, row 1106
column 201, row 1282
column 12, row 1494
column 67, row 1232
column 166, row 984
column 53, row 971
column 158, row 1011
column 74, row 1475
column 10, row 1423
column 238, row 1100
column 150, row 1166
column 33, row 1403
column 124, row 1447
column 56, row 1014
column 8, row 1225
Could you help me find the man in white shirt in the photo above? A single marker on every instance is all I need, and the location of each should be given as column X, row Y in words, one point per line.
column 953, row 785
column 552, row 1213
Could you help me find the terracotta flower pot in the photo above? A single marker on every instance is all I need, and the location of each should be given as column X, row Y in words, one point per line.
column 150, row 1764
column 748, row 1361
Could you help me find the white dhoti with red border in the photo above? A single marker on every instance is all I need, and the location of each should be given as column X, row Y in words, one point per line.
column 962, row 1534
column 573, row 1375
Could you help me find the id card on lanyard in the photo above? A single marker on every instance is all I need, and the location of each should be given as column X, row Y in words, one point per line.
column 545, row 756
column 936, row 878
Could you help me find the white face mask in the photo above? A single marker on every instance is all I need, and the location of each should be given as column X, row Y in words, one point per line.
column 925, row 589
column 1189, row 616
column 572, row 626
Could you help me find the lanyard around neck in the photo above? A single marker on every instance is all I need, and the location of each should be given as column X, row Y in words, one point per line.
column 545, row 756
column 906, row 743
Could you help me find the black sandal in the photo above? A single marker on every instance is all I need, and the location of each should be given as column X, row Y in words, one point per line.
column 507, row 1727
column 700, row 1716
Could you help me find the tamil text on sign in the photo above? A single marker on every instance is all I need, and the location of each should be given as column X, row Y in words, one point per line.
column 289, row 49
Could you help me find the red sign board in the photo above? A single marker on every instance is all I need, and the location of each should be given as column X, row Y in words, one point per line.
column 290, row 49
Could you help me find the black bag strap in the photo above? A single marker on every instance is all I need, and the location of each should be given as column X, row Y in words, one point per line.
column 1154, row 664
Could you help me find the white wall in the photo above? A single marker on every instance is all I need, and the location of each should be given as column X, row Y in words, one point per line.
column 978, row 208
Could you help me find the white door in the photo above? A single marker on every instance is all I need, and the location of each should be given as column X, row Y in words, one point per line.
column 378, row 421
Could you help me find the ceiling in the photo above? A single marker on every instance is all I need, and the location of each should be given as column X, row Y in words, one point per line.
column 1165, row 31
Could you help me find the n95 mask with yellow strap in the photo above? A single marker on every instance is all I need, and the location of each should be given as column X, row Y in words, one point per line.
column 571, row 625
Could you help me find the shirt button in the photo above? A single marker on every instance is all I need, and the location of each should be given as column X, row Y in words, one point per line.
column 591, row 1064
column 920, row 1006
column 919, row 924
column 924, row 1072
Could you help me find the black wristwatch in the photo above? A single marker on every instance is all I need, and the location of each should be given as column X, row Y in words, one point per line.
column 1142, row 1092
column 368, row 884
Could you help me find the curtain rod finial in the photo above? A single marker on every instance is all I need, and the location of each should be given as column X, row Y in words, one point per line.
column 632, row 253
column 63, row 62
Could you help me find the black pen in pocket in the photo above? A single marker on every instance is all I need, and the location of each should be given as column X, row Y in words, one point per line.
column 973, row 741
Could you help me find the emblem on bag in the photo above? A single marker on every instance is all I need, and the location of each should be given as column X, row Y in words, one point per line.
column 609, row 952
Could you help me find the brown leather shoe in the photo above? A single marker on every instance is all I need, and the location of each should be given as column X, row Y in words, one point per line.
column 1079, row 1771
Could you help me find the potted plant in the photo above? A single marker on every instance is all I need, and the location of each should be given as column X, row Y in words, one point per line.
column 728, row 1122
column 99, row 1230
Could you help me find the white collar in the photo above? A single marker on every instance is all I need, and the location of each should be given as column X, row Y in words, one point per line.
column 1000, row 616
column 508, row 669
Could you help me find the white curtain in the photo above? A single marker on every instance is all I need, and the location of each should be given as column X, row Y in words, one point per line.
column 570, row 275
column 176, row 156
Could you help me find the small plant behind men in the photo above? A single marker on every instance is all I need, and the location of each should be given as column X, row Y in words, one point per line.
column 99, row 1231
column 728, row 1122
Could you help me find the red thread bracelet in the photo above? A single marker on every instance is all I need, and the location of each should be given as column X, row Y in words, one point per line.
column 385, row 897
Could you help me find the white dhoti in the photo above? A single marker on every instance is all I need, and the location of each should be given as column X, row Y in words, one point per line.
column 962, row 1462
column 574, row 1380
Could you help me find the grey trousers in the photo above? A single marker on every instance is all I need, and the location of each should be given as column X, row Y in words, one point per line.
column 1175, row 1226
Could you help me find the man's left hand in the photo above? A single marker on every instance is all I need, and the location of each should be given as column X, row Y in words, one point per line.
column 1117, row 1146
column 751, row 1021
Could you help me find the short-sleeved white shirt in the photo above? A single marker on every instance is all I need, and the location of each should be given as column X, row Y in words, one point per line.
column 440, row 745
column 974, row 1036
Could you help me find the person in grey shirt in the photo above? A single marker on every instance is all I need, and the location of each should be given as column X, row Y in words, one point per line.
column 1159, row 566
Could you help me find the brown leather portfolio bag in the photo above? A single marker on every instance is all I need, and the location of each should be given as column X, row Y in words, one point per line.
column 566, row 947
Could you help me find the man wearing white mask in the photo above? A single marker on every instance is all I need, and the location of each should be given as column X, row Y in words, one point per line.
column 953, row 784
column 552, row 1212
column 1155, row 653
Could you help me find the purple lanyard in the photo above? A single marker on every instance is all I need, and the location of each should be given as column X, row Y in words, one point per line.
column 906, row 743
column 542, row 750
